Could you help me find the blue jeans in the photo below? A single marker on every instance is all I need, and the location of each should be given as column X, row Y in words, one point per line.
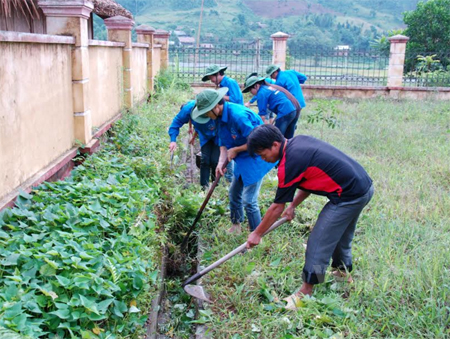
column 332, row 237
column 288, row 124
column 245, row 198
column 229, row 172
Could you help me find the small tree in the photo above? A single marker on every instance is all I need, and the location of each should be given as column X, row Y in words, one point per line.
column 326, row 112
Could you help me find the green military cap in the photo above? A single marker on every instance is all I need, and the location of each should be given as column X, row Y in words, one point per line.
column 254, row 74
column 272, row 69
column 211, row 70
column 206, row 101
column 250, row 82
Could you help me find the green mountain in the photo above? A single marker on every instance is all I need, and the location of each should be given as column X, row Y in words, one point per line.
column 312, row 24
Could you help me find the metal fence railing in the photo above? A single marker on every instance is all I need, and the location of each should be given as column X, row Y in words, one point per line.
column 190, row 63
column 332, row 67
column 340, row 67
column 426, row 69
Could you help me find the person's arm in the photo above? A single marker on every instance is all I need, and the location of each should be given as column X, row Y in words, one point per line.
column 226, row 97
column 182, row 117
column 301, row 77
column 222, row 158
column 234, row 92
column 272, row 215
column 233, row 152
column 289, row 213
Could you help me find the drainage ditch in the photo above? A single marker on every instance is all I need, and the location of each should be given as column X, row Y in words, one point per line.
column 172, row 310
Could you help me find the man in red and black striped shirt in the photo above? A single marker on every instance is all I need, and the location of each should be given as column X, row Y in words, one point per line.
column 314, row 166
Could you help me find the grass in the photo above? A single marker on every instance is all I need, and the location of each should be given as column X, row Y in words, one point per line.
column 401, row 247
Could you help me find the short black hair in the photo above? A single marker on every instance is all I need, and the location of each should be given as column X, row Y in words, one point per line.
column 262, row 137
column 221, row 102
column 221, row 72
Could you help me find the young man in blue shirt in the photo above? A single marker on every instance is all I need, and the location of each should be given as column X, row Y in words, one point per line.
column 216, row 75
column 209, row 141
column 277, row 102
column 290, row 80
column 235, row 123
column 269, row 117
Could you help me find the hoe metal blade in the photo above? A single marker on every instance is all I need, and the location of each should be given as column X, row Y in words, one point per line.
column 197, row 292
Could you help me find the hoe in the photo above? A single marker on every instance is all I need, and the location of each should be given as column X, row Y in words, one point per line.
column 197, row 290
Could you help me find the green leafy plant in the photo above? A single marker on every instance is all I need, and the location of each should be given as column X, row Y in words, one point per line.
column 427, row 64
column 325, row 113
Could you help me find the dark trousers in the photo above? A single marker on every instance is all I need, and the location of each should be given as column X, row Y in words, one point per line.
column 210, row 158
column 288, row 124
column 332, row 237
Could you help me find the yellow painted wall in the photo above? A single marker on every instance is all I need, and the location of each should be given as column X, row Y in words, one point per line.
column 105, row 83
column 36, row 114
column 156, row 60
column 139, row 73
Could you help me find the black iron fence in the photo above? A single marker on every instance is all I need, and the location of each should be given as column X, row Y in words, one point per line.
column 190, row 63
column 426, row 69
column 336, row 66
column 333, row 67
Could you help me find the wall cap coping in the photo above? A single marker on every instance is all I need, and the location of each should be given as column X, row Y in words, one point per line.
column 280, row 36
column 119, row 22
column 354, row 88
column 160, row 33
column 36, row 38
column 71, row 8
column 106, row 43
column 140, row 45
column 145, row 29
column 398, row 38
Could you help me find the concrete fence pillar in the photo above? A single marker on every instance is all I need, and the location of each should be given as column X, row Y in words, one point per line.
column 396, row 60
column 145, row 34
column 119, row 30
column 162, row 38
column 279, row 49
column 71, row 18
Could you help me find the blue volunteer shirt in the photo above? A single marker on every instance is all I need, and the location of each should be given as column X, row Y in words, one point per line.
column 234, row 91
column 291, row 80
column 235, row 125
column 206, row 131
column 270, row 81
column 275, row 100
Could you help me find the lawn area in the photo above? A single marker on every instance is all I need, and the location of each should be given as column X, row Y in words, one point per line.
column 80, row 257
column 401, row 247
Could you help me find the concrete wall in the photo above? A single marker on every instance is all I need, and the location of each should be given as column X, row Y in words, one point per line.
column 156, row 59
column 353, row 92
column 36, row 116
column 105, row 83
column 139, row 71
column 39, row 78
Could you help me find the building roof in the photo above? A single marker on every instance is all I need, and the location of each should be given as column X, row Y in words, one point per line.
column 180, row 33
column 186, row 39
column 342, row 47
